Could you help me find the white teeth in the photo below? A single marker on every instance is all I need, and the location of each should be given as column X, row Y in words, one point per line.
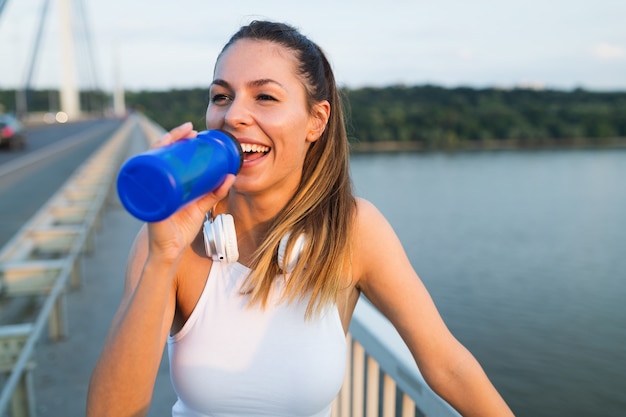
column 249, row 147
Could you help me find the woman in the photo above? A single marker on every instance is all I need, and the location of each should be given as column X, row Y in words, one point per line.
column 264, row 336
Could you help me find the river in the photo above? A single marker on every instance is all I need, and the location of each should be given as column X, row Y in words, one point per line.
column 524, row 253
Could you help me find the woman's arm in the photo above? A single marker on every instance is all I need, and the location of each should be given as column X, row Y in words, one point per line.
column 387, row 279
column 123, row 379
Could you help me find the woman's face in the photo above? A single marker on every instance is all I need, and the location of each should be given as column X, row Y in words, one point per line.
column 257, row 96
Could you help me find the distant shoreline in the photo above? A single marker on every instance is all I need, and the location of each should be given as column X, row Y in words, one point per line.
column 491, row 145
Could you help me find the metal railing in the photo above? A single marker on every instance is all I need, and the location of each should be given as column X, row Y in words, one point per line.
column 382, row 378
column 43, row 260
column 151, row 130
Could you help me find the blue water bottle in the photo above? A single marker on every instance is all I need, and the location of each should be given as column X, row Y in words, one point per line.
column 153, row 185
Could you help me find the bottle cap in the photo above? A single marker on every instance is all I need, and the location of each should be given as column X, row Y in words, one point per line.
column 148, row 189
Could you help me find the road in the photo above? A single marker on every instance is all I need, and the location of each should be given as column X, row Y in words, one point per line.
column 29, row 177
column 27, row 180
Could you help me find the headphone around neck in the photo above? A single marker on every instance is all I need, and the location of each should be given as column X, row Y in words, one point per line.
column 220, row 242
column 220, row 238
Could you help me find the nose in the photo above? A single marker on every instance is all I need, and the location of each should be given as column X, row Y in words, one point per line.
column 237, row 114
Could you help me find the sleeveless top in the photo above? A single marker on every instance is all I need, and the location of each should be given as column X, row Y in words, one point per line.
column 234, row 359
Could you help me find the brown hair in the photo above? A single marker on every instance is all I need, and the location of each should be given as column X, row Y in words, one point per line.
column 323, row 205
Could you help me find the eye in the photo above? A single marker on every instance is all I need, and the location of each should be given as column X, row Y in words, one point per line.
column 220, row 99
column 265, row 97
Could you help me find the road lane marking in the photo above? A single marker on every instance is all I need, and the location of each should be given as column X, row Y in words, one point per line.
column 50, row 150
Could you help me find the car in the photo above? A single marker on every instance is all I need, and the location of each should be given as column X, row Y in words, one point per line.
column 12, row 134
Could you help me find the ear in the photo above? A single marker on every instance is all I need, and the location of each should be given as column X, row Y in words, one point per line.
column 318, row 120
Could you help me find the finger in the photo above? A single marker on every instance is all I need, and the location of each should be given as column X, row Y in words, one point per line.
column 207, row 202
column 222, row 191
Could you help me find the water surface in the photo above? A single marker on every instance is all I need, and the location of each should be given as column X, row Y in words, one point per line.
column 525, row 256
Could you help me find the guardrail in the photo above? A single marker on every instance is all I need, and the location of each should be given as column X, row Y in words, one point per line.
column 151, row 130
column 43, row 260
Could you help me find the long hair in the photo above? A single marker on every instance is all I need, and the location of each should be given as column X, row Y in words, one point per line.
column 323, row 205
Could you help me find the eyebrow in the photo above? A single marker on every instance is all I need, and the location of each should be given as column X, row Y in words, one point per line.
column 255, row 83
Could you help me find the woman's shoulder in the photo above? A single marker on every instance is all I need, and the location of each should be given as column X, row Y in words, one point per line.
column 367, row 215
column 378, row 256
column 373, row 235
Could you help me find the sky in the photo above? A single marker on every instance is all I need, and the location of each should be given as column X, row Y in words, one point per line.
column 160, row 45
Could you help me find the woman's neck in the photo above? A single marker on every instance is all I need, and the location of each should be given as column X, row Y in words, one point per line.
column 253, row 216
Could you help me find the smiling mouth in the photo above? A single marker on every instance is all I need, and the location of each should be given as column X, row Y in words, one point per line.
column 253, row 151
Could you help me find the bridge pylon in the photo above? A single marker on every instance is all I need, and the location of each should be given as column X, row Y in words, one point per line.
column 70, row 97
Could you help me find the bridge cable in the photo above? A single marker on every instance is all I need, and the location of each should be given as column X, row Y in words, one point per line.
column 94, row 94
column 22, row 97
column 2, row 4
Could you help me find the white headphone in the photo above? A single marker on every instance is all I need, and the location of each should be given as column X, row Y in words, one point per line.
column 220, row 238
column 220, row 242
column 288, row 264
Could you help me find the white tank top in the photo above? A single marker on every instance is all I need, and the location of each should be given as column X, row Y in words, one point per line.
column 231, row 359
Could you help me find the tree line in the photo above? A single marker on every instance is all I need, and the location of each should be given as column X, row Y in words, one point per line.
column 436, row 117
column 427, row 116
